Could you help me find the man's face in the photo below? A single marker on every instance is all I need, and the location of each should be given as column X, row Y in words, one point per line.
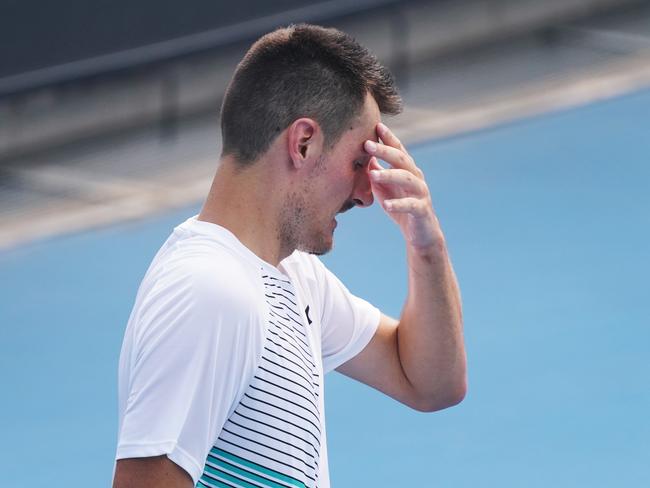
column 337, row 183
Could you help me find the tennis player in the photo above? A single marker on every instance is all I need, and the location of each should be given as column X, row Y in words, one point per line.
column 236, row 321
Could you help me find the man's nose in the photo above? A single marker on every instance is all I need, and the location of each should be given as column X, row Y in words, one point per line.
column 362, row 195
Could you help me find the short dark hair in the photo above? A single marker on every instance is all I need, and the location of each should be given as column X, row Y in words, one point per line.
column 300, row 71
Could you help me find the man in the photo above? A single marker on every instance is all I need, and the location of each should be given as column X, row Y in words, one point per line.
column 236, row 320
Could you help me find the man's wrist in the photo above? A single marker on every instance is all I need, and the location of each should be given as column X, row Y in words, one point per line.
column 434, row 249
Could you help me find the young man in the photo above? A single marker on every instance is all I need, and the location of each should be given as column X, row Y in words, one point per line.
column 236, row 320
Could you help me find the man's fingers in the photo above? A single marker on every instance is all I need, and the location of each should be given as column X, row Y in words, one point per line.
column 374, row 164
column 388, row 138
column 400, row 179
column 409, row 205
column 393, row 156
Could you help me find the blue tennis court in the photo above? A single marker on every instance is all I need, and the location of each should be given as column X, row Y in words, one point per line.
column 548, row 223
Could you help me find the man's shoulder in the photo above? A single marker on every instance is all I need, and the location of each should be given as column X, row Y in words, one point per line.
column 204, row 271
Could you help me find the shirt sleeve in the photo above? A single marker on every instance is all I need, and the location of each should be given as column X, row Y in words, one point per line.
column 347, row 321
column 189, row 353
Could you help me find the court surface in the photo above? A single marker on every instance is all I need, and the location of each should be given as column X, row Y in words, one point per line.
column 548, row 223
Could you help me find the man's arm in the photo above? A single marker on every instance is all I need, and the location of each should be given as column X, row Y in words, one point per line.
column 419, row 360
column 150, row 472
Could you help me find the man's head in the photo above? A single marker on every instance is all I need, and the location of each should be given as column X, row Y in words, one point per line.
column 305, row 99
column 300, row 71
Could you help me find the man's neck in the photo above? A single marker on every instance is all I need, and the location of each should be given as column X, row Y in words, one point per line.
column 247, row 202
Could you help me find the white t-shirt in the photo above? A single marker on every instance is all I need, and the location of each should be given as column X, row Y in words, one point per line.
column 223, row 359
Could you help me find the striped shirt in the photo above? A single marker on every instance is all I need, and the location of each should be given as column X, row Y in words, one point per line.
column 273, row 437
column 223, row 360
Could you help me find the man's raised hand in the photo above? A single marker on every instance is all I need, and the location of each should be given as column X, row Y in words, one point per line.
column 402, row 191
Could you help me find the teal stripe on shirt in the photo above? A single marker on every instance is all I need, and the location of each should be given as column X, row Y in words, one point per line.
column 242, row 472
column 228, row 477
column 257, row 467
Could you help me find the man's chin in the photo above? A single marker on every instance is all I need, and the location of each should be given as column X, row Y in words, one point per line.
column 319, row 252
column 320, row 248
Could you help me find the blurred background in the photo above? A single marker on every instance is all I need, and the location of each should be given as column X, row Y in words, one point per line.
column 530, row 120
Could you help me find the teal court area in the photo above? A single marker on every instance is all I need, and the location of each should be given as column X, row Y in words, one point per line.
column 548, row 223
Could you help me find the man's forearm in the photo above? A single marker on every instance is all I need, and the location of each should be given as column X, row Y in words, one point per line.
column 430, row 332
column 429, row 351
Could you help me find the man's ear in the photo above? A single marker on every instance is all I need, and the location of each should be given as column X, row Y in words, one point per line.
column 305, row 142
